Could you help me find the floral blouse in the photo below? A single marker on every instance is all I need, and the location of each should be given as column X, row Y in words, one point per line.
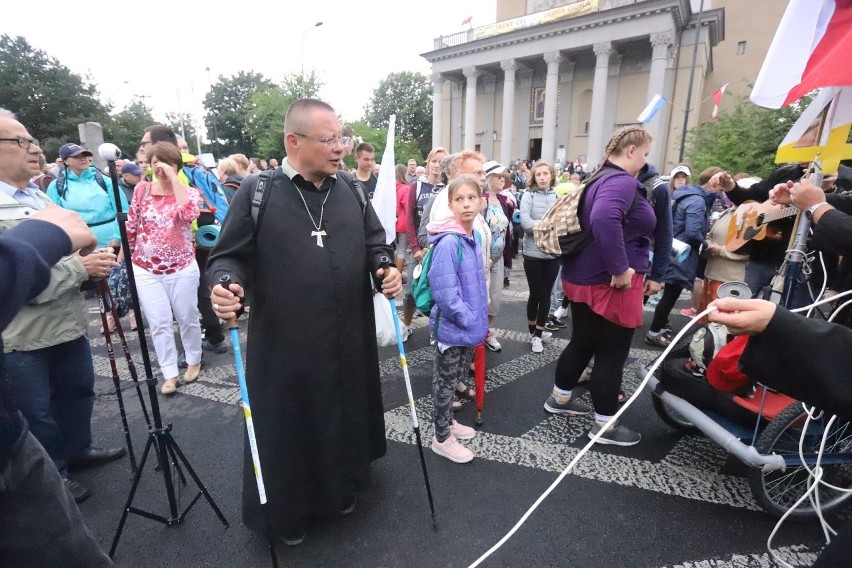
column 160, row 231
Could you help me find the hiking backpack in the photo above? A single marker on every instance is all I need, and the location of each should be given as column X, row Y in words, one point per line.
column 210, row 189
column 420, row 288
column 559, row 233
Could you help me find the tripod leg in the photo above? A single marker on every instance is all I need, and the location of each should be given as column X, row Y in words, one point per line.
column 197, row 480
column 176, row 463
column 131, row 366
column 102, row 304
column 130, row 496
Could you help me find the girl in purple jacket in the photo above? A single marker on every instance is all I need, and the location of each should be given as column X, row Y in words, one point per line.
column 459, row 318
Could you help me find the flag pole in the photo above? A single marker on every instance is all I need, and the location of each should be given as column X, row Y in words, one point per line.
column 691, row 81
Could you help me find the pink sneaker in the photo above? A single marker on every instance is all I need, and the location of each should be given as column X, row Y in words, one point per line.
column 689, row 312
column 462, row 432
column 452, row 450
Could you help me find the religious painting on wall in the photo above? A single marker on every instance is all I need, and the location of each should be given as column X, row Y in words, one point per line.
column 537, row 105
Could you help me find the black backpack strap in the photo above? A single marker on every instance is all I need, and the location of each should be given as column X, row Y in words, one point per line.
column 100, row 179
column 260, row 191
column 357, row 188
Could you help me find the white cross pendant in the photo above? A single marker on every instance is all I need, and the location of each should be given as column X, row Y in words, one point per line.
column 319, row 235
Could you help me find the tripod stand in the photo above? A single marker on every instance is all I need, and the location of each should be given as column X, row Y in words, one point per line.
column 107, row 307
column 159, row 435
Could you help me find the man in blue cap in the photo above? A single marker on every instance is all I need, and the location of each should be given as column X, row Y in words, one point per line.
column 131, row 174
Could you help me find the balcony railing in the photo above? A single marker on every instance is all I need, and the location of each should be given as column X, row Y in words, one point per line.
column 580, row 8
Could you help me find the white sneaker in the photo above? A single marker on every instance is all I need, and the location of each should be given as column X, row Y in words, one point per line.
column 452, row 450
column 546, row 336
column 561, row 312
column 537, row 345
column 406, row 332
column 462, row 432
column 491, row 342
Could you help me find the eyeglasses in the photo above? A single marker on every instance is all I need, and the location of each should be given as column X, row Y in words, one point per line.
column 329, row 142
column 24, row 143
column 477, row 173
column 145, row 143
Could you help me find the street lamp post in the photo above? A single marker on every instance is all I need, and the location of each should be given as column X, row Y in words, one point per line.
column 215, row 112
column 302, row 53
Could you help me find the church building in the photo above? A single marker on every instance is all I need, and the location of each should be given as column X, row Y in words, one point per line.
column 552, row 79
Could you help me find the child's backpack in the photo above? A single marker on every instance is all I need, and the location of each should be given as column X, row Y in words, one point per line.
column 420, row 288
column 211, row 191
column 558, row 233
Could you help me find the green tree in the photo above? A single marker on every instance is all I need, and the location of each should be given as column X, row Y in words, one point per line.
column 743, row 140
column 269, row 107
column 125, row 128
column 229, row 112
column 45, row 95
column 409, row 96
column 376, row 137
column 174, row 120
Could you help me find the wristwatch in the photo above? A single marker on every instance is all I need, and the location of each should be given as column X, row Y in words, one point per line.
column 813, row 208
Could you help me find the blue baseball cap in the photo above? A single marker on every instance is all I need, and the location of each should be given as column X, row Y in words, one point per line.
column 71, row 150
column 131, row 168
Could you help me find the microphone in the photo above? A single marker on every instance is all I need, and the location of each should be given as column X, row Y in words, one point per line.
column 109, row 152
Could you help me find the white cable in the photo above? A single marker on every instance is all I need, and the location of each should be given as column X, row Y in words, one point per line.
column 821, row 302
column 816, row 474
column 824, row 283
column 839, row 309
column 594, row 439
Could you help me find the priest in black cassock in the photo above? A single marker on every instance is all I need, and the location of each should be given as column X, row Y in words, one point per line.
column 311, row 358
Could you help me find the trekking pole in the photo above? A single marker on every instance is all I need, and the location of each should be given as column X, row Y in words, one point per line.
column 225, row 282
column 105, row 308
column 414, row 422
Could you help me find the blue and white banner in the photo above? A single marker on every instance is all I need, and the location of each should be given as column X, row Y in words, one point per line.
column 653, row 108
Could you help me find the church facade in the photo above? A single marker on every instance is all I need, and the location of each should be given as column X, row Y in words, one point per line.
column 552, row 79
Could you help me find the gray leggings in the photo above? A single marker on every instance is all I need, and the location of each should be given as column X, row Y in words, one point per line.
column 450, row 367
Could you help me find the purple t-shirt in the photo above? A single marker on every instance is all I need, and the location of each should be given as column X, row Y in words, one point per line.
column 622, row 224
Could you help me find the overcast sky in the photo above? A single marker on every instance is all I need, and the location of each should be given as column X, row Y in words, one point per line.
column 161, row 49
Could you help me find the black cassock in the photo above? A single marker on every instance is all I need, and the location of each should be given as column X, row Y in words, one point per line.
column 311, row 357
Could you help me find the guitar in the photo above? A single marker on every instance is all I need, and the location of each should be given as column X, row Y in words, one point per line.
column 750, row 222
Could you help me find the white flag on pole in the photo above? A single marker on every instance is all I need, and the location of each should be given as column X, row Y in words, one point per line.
column 384, row 198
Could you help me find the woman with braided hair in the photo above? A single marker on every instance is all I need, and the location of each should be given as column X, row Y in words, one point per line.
column 605, row 284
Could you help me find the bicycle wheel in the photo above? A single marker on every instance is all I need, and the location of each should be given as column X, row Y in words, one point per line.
column 777, row 491
column 671, row 417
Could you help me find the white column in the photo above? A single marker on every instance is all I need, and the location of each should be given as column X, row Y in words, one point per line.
column 563, row 115
column 489, row 89
column 657, row 86
column 551, row 95
column 457, row 121
column 437, row 109
column 470, row 74
column 596, row 119
column 507, row 133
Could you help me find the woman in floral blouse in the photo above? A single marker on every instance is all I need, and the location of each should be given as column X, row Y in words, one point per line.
column 159, row 229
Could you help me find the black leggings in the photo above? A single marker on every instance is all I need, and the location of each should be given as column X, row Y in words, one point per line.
column 661, row 315
column 592, row 335
column 541, row 274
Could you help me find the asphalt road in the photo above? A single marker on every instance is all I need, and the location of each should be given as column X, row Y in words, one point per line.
column 673, row 500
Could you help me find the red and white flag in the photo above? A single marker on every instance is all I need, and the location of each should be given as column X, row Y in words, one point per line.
column 810, row 50
column 717, row 100
column 467, row 20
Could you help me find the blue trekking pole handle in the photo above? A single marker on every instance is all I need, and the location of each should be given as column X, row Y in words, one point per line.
column 225, row 282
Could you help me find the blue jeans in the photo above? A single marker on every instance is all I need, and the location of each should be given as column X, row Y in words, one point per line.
column 54, row 389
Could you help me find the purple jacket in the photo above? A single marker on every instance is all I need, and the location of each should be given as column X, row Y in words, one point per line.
column 622, row 223
column 458, row 288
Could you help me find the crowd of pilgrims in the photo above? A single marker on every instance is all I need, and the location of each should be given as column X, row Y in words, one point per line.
column 477, row 216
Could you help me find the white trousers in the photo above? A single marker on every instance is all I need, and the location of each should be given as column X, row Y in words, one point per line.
column 166, row 296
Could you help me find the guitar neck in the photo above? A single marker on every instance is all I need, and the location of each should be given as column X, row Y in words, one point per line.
column 780, row 214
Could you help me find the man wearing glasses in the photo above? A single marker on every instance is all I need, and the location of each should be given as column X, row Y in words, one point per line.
column 311, row 359
column 48, row 362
